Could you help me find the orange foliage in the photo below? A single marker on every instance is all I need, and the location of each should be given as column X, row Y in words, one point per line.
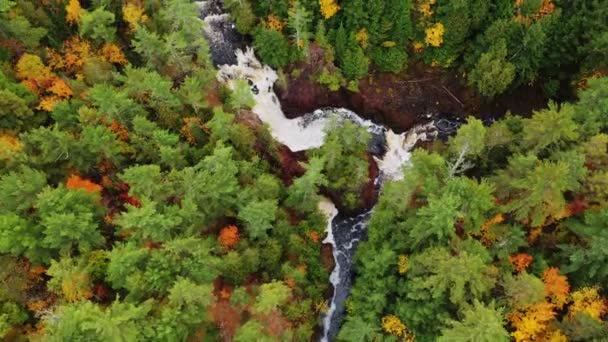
column 48, row 103
column 291, row 283
column 37, row 270
column 120, row 130
column 113, row 54
column 75, row 52
column 556, row 286
column 75, row 182
column 313, row 236
column 229, row 236
column 487, row 237
column 534, row 234
column 533, row 322
column 225, row 293
column 73, row 12
column 521, row 261
column 273, row 23
column 60, row 88
column 191, row 123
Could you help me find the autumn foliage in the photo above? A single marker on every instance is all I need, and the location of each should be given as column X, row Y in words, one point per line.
column 329, row 8
column 229, row 237
column 76, row 182
column 521, row 261
column 556, row 286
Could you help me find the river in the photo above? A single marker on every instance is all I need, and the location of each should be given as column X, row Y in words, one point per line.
column 391, row 151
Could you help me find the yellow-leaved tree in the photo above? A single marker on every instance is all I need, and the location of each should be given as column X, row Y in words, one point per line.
column 329, row 8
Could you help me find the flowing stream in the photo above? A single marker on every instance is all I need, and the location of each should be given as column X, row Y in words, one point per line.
column 391, row 151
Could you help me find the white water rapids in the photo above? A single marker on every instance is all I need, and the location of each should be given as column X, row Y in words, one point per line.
column 307, row 132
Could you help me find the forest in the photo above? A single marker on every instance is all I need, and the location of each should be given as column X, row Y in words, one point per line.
column 141, row 199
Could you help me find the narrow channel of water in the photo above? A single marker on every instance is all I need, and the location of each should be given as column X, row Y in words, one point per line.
column 391, row 151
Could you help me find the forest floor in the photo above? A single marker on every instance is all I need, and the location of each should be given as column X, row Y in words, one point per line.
column 404, row 100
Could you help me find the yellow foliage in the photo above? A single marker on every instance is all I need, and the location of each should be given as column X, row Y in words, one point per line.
column 329, row 8
column 73, row 12
column 77, row 287
column 362, row 37
column 557, row 336
column 434, row 35
column 418, row 46
column 134, row 14
column 113, row 54
column 47, row 103
column 273, row 23
column 533, row 322
column 322, row 307
column 389, row 43
column 403, row 264
column 31, row 67
column 393, row 325
column 424, row 7
column 587, row 300
column 9, row 146
column 556, row 286
column 60, row 88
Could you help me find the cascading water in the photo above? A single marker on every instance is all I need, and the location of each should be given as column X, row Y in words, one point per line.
column 390, row 150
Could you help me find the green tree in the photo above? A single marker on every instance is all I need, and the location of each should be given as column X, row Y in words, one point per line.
column 480, row 323
column 259, row 216
column 535, row 189
column 88, row 321
column 493, row 73
column 243, row 15
column 272, row 296
column 552, row 127
column 299, row 21
column 241, row 96
column 303, row 193
column 98, row 25
column 586, row 262
column 272, row 47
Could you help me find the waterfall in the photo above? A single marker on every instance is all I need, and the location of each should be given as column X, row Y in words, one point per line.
column 307, row 132
column 391, row 150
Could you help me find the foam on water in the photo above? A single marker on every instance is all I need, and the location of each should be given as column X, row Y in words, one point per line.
column 308, row 131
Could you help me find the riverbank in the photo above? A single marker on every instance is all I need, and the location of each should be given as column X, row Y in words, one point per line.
column 414, row 96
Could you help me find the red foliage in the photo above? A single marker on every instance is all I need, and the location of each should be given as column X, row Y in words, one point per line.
column 276, row 324
column 101, row 292
column 578, row 206
column 226, row 317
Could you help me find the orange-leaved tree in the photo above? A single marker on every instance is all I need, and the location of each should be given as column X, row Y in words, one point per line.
column 229, row 237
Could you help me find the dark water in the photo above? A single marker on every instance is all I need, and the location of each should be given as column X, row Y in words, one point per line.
column 348, row 232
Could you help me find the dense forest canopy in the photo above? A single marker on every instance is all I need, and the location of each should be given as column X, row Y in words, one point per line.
column 139, row 200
